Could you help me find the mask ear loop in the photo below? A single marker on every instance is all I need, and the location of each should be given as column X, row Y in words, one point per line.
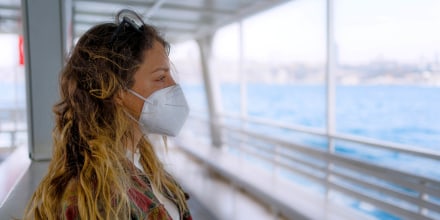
column 135, row 120
column 139, row 96
column 127, row 113
column 131, row 116
column 165, row 143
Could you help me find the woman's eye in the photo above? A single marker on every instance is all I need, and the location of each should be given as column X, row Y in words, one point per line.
column 162, row 78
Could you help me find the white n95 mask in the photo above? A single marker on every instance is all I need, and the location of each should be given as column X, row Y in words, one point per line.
column 164, row 112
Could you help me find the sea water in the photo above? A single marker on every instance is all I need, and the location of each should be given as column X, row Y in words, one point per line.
column 408, row 115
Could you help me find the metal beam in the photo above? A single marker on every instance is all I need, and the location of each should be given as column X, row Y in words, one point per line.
column 154, row 9
column 10, row 17
column 10, row 7
column 241, row 14
column 43, row 34
column 330, row 85
column 210, row 11
column 212, row 93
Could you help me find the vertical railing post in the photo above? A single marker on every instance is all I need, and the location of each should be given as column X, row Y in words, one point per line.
column 243, row 74
column 422, row 197
column 330, row 85
column 211, row 88
column 243, row 88
column 67, row 26
column 14, row 138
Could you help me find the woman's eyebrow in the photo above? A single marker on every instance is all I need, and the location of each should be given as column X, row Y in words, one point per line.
column 160, row 69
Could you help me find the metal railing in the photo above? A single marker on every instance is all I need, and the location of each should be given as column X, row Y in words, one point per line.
column 12, row 124
column 388, row 189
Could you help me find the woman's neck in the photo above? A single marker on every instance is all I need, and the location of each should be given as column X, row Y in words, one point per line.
column 133, row 142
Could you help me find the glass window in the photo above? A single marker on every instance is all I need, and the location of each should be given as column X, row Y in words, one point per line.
column 284, row 63
column 13, row 124
column 185, row 58
column 388, row 70
column 388, row 82
column 276, row 71
column 226, row 67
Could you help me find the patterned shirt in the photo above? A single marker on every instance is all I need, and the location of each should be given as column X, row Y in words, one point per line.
column 143, row 203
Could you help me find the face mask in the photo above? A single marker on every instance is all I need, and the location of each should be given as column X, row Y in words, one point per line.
column 164, row 112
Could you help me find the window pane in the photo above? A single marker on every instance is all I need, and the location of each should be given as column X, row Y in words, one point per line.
column 186, row 62
column 388, row 70
column 13, row 124
column 185, row 58
column 225, row 67
column 284, row 54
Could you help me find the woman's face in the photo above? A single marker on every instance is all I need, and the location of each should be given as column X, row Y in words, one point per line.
column 152, row 75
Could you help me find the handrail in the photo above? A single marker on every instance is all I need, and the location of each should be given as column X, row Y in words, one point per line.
column 313, row 151
column 352, row 138
column 13, row 139
column 389, row 182
column 397, row 178
column 12, row 122
column 395, row 147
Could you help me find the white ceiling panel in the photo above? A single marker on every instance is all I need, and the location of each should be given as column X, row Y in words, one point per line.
column 179, row 19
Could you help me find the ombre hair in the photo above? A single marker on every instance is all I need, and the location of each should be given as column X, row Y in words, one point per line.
column 92, row 128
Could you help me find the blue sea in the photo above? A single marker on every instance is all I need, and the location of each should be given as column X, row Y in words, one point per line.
column 402, row 114
column 407, row 115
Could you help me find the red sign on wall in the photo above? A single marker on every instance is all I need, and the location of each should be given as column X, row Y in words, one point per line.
column 20, row 50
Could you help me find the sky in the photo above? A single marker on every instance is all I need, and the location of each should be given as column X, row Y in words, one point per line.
column 395, row 29
column 364, row 30
column 9, row 50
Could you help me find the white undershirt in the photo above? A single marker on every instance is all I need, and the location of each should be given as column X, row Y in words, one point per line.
column 167, row 203
column 169, row 206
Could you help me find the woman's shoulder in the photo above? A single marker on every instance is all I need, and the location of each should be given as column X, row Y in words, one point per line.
column 143, row 203
column 143, row 200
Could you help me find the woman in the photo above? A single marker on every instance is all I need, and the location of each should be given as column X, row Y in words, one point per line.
column 116, row 89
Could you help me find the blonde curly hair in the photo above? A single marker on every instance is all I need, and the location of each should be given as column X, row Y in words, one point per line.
column 92, row 129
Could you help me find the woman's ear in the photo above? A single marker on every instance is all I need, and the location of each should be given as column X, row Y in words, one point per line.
column 119, row 97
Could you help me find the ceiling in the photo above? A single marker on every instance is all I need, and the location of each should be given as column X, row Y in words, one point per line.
column 179, row 20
